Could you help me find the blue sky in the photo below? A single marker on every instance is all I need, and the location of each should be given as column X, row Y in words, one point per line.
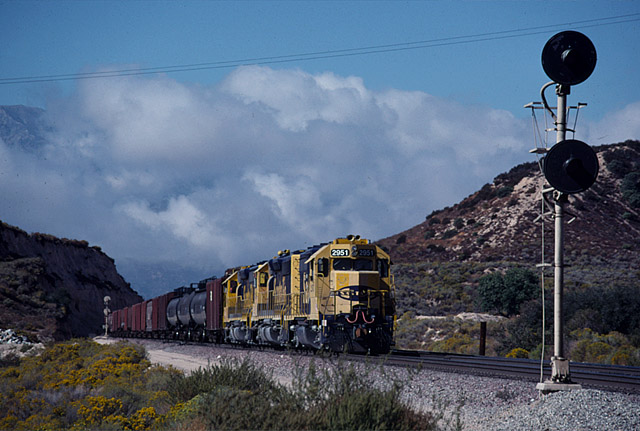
column 51, row 38
column 190, row 167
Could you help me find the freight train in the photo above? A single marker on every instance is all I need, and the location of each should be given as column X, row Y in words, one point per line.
column 336, row 296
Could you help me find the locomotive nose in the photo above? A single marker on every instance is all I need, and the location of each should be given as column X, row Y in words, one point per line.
column 363, row 279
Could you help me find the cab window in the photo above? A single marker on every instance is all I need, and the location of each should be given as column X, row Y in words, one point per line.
column 383, row 268
column 363, row 265
column 323, row 267
column 352, row 264
column 342, row 264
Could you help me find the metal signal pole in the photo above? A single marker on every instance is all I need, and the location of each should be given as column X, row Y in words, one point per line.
column 560, row 365
column 570, row 166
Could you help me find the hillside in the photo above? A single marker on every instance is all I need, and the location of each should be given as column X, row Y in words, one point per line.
column 441, row 263
column 53, row 288
column 498, row 222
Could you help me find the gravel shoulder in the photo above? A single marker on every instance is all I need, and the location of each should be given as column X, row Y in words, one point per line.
column 488, row 403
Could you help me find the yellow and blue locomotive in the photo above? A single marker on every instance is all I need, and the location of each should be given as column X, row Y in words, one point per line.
column 337, row 296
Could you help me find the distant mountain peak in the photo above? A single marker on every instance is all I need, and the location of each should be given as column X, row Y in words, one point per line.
column 22, row 127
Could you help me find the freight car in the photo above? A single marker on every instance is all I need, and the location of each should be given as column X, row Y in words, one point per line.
column 336, row 296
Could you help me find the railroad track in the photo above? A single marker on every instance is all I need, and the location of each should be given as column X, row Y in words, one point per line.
column 596, row 376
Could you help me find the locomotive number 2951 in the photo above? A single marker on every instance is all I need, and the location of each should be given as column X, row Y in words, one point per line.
column 340, row 252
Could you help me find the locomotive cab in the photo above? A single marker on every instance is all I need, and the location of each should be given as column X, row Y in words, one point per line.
column 355, row 296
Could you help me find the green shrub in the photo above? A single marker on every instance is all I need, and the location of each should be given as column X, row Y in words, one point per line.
column 449, row 234
column 505, row 294
column 342, row 398
column 338, row 397
column 504, row 191
column 617, row 167
column 612, row 348
column 230, row 373
column 630, row 188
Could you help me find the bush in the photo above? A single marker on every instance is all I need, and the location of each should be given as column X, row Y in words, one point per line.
column 82, row 385
column 230, row 373
column 449, row 234
column 504, row 191
column 630, row 188
column 338, row 397
column 612, row 348
column 342, row 397
column 505, row 294
column 434, row 220
column 518, row 352
column 617, row 168
column 604, row 309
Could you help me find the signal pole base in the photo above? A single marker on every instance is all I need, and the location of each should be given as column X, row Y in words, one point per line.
column 548, row 386
column 560, row 378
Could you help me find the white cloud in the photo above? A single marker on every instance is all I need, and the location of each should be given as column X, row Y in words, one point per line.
column 181, row 218
column 296, row 98
column 296, row 201
column 153, row 169
column 615, row 127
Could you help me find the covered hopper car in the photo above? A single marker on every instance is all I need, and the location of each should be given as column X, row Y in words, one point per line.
column 337, row 296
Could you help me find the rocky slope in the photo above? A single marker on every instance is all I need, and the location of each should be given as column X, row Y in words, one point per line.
column 501, row 221
column 54, row 288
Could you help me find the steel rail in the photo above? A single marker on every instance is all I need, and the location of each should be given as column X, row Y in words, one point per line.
column 608, row 377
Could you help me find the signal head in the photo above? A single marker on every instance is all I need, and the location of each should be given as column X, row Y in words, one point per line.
column 571, row 166
column 569, row 58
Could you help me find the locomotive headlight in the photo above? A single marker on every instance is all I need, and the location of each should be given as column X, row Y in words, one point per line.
column 354, row 251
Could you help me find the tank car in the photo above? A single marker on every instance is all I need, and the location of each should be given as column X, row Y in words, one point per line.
column 194, row 313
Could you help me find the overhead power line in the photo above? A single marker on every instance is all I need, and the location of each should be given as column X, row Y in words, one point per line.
column 317, row 55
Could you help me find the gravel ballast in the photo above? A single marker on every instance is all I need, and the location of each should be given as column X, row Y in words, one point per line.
column 488, row 403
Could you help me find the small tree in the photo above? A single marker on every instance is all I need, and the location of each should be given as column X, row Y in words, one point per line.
column 505, row 294
column 490, row 292
column 630, row 188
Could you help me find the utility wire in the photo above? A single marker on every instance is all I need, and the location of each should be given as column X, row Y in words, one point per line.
column 347, row 52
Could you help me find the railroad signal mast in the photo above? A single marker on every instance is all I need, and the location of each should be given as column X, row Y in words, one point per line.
column 570, row 166
column 106, row 311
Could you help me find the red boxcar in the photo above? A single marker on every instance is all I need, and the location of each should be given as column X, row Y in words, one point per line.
column 146, row 316
column 159, row 314
column 214, row 304
column 136, row 323
column 142, row 316
column 114, row 320
column 128, row 318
